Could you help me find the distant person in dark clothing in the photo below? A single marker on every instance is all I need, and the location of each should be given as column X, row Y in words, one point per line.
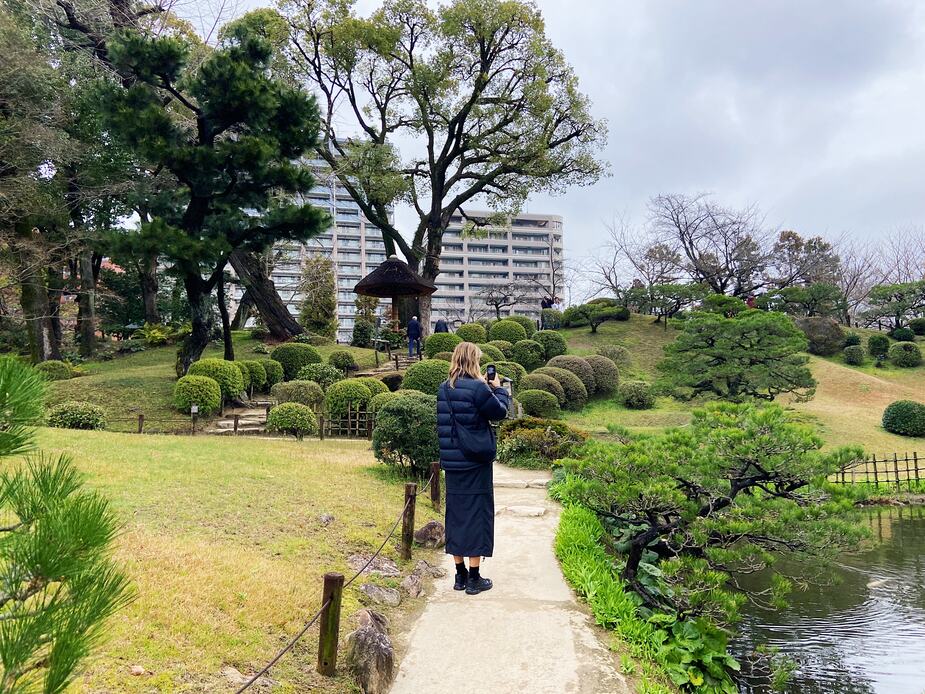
column 545, row 303
column 441, row 326
column 466, row 406
column 414, row 335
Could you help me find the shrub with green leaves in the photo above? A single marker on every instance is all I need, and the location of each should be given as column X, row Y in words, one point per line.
column 343, row 360
column 852, row 340
column 606, row 374
column 261, row 349
column 77, row 414
column 257, row 372
column 197, row 390
column 379, row 399
column 507, row 330
column 551, row 319
column 491, row 353
column 636, row 395
column 824, row 336
column 878, row 345
column 539, row 403
column 55, row 370
column 274, row 371
column 303, row 392
column 345, row 396
column 578, row 366
column 472, row 332
column 294, row 419
column 426, row 376
column 903, row 335
column 392, row 379
column 576, row 395
column 325, row 375
column 905, row 355
column 445, row 356
column 405, row 434
column 529, row 354
column 507, row 348
column 552, row 341
column 374, row 384
column 225, row 373
column 511, row 370
column 363, row 333
column 293, row 356
column 618, row 354
column 245, row 374
column 538, row 381
column 527, row 323
column 905, row 417
column 917, row 325
column 853, row 355
column 440, row 342
column 536, row 443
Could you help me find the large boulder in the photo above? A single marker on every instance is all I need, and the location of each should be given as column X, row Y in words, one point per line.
column 370, row 656
column 381, row 595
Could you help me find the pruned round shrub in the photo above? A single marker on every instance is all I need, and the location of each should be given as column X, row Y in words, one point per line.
column 618, row 354
column 374, row 384
column 852, row 340
column 405, row 434
column 878, row 345
column 825, row 336
column 274, row 371
column 576, row 395
column 491, row 353
column 529, row 354
column 55, row 370
column 636, row 395
column 903, row 335
column 379, row 399
column 539, row 403
column 363, row 333
column 293, row 356
column 552, row 341
column 905, row 417
column 917, row 325
column 905, row 355
column 528, row 324
column 392, row 379
column 538, row 381
column 511, row 370
column 426, row 376
column 77, row 414
column 226, row 373
column 854, row 355
column 259, row 332
column 440, row 342
column 445, row 356
column 257, row 372
column 343, row 360
column 303, row 392
column 344, row 396
column 472, row 332
column 507, row 330
column 294, row 419
column 578, row 366
column 245, row 374
column 261, row 349
column 606, row 373
column 507, row 348
column 551, row 318
column 325, row 375
column 197, row 390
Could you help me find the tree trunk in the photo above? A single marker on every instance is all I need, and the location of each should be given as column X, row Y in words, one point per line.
column 194, row 345
column 276, row 317
column 86, row 299
column 243, row 312
column 147, row 271
column 226, row 322
column 55, row 291
column 43, row 344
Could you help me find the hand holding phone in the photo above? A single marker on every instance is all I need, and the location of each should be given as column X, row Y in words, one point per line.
column 491, row 375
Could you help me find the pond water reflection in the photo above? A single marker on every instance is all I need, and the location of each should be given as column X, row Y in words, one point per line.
column 863, row 635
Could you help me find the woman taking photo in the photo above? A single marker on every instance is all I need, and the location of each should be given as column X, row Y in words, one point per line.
column 466, row 405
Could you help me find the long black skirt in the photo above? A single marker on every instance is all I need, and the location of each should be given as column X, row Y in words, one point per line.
column 470, row 512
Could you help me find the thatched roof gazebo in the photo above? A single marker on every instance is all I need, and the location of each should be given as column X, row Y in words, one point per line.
column 394, row 279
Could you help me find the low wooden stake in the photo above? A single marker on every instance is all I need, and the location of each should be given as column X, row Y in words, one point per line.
column 237, row 421
column 407, row 520
column 435, row 485
column 329, row 627
column 141, row 424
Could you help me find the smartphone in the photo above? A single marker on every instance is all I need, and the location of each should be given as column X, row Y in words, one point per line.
column 491, row 372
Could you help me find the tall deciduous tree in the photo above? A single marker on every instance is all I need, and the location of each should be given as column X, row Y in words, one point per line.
column 494, row 105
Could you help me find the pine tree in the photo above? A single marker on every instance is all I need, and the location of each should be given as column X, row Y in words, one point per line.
column 318, row 312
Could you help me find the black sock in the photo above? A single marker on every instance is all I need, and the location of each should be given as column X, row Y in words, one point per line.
column 474, row 572
column 461, row 569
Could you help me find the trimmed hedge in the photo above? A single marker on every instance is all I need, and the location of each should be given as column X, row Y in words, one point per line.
column 226, row 373
column 197, row 390
column 852, row 340
column 539, row 403
column 528, row 324
column 294, row 419
column 325, row 375
column 440, row 342
column 878, row 345
column 472, row 332
column 376, row 387
column 636, row 395
column 552, row 341
column 854, row 355
column 578, row 366
column 917, row 325
column 245, row 374
column 491, row 352
column 293, row 356
column 511, row 370
column 445, row 356
column 405, row 434
column 507, row 330
column 303, row 392
column 507, row 348
column 538, row 381
column 274, row 371
column 551, row 319
column 257, row 373
column 529, row 354
column 426, row 376
column 618, row 354
column 352, row 394
column 377, row 401
column 343, row 360
column 392, row 379
column 903, row 335
column 77, row 414
column 606, row 373
column 55, row 370
column 905, row 417
column 905, row 355
column 824, row 335
column 576, row 395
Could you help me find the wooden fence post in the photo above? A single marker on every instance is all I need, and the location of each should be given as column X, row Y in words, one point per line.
column 396, row 362
column 193, row 419
column 377, row 357
column 407, row 520
column 896, row 470
column 330, row 623
column 369, row 425
column 876, row 481
column 237, row 421
column 915, row 459
column 321, row 426
column 267, row 415
column 435, row 485
column 141, row 424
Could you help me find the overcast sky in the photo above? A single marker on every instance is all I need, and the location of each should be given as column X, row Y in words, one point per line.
column 813, row 109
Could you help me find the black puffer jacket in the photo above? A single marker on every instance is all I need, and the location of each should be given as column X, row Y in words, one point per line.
column 475, row 404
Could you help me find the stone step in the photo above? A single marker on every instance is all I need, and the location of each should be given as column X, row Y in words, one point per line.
column 242, row 431
column 522, row 511
column 229, row 423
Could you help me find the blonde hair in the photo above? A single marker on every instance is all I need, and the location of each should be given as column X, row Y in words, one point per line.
column 465, row 362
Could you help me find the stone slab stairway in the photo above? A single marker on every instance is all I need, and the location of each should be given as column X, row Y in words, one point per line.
column 527, row 634
column 250, row 421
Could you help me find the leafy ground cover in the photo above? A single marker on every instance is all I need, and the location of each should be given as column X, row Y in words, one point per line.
column 223, row 543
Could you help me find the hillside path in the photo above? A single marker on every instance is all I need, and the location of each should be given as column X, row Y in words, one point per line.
column 528, row 633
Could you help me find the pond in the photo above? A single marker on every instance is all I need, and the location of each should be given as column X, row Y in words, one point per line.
column 863, row 635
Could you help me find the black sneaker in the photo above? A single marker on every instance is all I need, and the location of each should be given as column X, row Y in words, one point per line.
column 461, row 580
column 474, row 586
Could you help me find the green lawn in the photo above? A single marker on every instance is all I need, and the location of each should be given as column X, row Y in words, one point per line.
column 223, row 544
